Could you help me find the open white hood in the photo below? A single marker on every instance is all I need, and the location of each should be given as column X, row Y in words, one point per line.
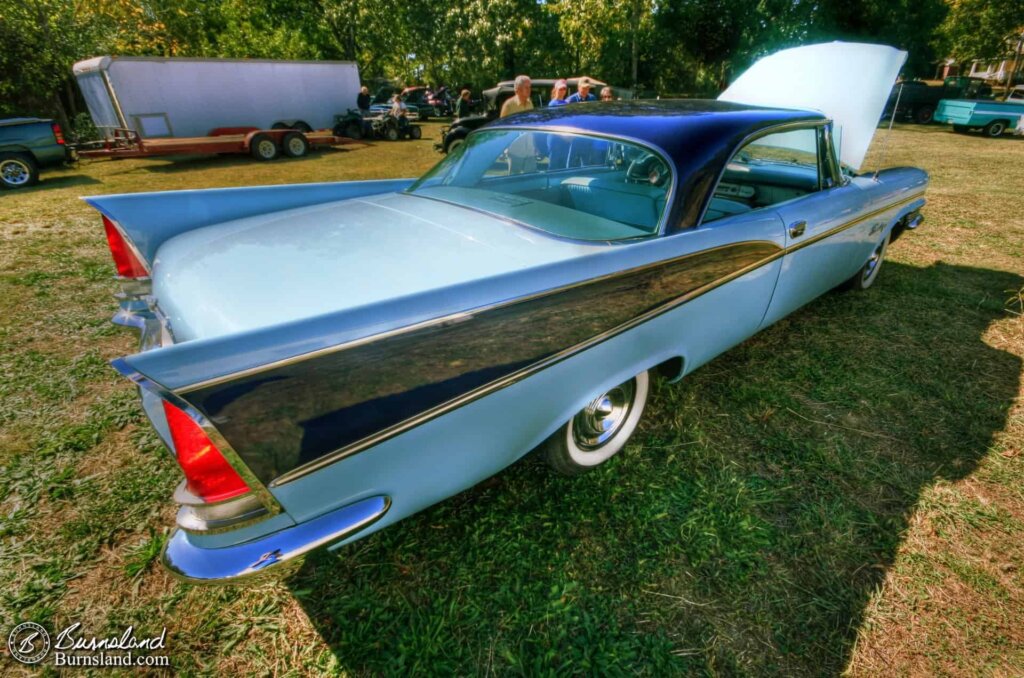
column 847, row 81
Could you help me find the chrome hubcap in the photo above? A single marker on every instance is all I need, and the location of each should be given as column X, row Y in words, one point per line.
column 603, row 417
column 14, row 173
column 871, row 268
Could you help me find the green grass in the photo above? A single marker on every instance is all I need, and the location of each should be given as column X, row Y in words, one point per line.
column 842, row 492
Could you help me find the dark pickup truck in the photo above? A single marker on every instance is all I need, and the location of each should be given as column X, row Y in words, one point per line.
column 28, row 145
column 918, row 100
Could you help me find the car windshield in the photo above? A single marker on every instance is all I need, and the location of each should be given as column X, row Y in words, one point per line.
column 570, row 185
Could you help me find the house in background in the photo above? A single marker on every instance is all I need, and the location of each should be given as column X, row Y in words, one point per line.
column 1005, row 70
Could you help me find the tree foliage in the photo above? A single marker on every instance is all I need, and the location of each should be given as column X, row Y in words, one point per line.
column 981, row 29
column 668, row 46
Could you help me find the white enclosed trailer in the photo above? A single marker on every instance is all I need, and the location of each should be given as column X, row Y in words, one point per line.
column 181, row 97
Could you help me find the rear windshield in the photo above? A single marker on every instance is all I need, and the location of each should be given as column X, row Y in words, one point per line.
column 570, row 185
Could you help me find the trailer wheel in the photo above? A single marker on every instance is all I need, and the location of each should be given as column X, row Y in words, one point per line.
column 262, row 147
column 416, row 133
column 295, row 145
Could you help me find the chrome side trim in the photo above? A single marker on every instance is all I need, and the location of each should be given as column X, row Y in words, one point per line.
column 195, row 564
column 517, row 376
column 470, row 396
column 448, row 319
column 468, row 315
column 258, row 488
column 849, row 224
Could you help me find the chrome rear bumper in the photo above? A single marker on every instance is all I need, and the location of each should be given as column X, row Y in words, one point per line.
column 196, row 564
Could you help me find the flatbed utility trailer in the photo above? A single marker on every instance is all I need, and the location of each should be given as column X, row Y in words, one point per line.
column 262, row 144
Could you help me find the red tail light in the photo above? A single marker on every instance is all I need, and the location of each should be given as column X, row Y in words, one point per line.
column 127, row 262
column 207, row 473
column 58, row 133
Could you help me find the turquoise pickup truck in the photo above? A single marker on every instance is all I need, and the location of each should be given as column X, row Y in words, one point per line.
column 993, row 118
column 26, row 146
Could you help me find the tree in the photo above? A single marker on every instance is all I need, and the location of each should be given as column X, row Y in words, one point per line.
column 41, row 40
column 980, row 29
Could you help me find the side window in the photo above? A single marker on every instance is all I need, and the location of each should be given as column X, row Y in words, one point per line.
column 768, row 170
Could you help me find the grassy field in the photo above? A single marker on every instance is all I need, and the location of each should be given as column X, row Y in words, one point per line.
column 843, row 492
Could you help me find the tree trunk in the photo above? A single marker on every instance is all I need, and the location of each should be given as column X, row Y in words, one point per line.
column 634, row 50
column 510, row 61
column 72, row 99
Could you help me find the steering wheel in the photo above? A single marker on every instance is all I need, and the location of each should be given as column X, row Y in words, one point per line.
column 647, row 169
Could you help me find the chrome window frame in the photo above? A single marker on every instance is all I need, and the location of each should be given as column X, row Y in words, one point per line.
column 754, row 136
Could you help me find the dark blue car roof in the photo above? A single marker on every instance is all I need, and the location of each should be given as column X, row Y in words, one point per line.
column 699, row 135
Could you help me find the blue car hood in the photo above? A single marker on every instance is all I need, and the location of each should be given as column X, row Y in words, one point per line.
column 274, row 268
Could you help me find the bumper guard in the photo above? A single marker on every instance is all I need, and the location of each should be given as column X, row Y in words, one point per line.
column 196, row 564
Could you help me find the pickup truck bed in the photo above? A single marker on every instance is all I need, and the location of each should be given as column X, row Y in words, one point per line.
column 992, row 117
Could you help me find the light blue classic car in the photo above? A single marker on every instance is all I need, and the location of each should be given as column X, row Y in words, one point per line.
column 324, row 360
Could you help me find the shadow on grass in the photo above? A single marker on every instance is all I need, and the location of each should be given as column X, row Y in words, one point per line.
column 743, row 532
column 66, row 181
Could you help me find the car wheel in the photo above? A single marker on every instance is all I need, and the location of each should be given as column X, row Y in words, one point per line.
column 600, row 430
column 995, row 128
column 868, row 273
column 302, row 126
column 295, row 145
column 263, row 147
column 455, row 143
column 923, row 114
column 17, row 170
column 280, row 125
column 391, row 133
column 416, row 133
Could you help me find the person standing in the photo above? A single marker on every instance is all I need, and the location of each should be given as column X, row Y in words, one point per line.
column 520, row 101
column 398, row 107
column 363, row 100
column 583, row 92
column 558, row 93
column 464, row 105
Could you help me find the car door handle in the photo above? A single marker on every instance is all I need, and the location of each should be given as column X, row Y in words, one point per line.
column 797, row 228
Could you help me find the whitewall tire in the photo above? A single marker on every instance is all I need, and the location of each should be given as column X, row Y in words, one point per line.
column 600, row 430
